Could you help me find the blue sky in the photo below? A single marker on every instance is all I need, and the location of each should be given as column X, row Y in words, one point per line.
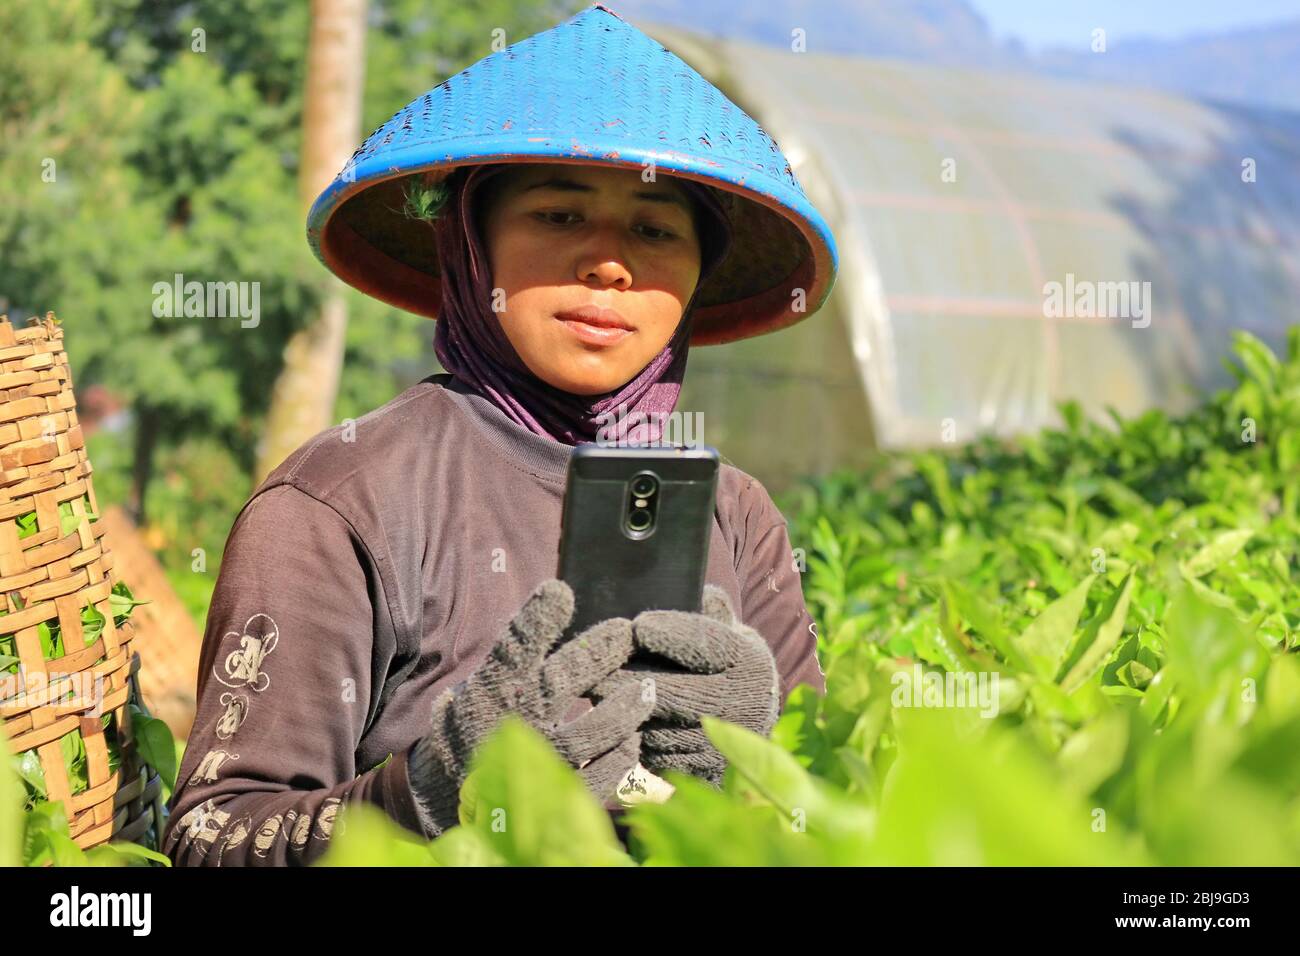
column 1039, row 23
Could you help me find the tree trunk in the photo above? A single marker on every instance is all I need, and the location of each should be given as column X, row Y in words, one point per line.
column 146, row 441
column 302, row 401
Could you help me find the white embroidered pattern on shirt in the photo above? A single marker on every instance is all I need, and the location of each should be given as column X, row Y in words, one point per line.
column 210, row 766
column 243, row 667
column 236, row 710
column 202, row 824
column 266, row 834
column 238, row 834
column 325, row 819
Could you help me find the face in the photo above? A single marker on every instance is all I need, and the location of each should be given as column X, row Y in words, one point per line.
column 594, row 268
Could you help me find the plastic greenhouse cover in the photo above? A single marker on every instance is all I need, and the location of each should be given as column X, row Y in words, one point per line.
column 1007, row 241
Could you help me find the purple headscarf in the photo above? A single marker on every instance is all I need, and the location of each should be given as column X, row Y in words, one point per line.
column 471, row 344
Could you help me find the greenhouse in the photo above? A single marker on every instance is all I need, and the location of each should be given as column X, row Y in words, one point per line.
column 961, row 201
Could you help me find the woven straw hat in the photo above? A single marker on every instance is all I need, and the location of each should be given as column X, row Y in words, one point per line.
column 594, row 90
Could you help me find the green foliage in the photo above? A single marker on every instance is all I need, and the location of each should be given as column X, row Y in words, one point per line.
column 47, row 841
column 366, row 836
column 1134, row 589
column 51, row 632
column 425, row 201
column 39, row 835
column 138, row 157
column 153, row 738
column 11, row 812
column 526, row 807
column 520, row 805
column 1127, row 594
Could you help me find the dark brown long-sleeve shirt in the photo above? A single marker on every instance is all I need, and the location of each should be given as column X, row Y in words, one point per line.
column 374, row 569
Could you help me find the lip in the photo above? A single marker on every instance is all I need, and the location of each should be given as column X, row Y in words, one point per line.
column 595, row 315
column 594, row 325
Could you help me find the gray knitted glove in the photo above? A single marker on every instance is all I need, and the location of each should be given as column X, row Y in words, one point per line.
column 715, row 665
column 527, row 675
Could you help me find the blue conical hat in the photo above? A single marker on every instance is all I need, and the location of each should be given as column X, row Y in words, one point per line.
column 595, row 90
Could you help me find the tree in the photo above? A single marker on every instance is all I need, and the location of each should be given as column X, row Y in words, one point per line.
column 152, row 138
column 302, row 402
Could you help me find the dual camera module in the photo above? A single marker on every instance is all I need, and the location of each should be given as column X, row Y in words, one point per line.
column 642, row 504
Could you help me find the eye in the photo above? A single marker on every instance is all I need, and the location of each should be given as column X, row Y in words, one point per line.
column 657, row 234
column 556, row 217
column 563, row 217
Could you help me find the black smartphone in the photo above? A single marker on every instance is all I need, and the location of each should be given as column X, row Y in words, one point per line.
column 634, row 533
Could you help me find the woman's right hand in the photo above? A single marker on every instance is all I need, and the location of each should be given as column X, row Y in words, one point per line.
column 526, row 674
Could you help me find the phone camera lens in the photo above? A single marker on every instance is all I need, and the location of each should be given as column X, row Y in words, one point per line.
column 639, row 519
column 643, row 486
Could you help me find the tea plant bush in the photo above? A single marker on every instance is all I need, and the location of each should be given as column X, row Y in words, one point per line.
column 1128, row 593
column 1129, row 590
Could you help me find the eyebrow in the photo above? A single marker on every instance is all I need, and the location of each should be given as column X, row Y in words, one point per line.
column 572, row 185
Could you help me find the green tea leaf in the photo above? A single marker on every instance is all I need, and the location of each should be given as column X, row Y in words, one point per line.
column 11, row 810
column 366, row 836
column 69, row 522
column 92, row 624
column 984, row 617
column 1207, row 645
column 533, row 809
column 1222, row 549
column 975, row 795
column 73, row 748
column 28, row 766
column 701, row 826
column 464, row 846
column 1258, row 359
column 154, row 740
column 1045, row 642
column 121, row 605
column 1099, row 638
column 47, row 839
column 26, row 525
column 121, row 853
column 51, row 642
column 1094, row 753
column 780, row 779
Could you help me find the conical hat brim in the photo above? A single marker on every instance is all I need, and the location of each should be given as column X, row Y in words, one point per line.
column 782, row 261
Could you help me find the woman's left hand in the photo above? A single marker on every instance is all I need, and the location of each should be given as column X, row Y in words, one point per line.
column 711, row 664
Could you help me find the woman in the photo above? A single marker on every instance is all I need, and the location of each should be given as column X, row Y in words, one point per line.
column 403, row 565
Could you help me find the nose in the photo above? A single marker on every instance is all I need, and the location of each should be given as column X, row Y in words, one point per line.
column 603, row 264
column 611, row 272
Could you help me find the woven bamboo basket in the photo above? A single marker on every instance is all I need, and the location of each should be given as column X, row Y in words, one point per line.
column 54, row 568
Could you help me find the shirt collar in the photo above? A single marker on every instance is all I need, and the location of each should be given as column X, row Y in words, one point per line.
column 542, row 456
